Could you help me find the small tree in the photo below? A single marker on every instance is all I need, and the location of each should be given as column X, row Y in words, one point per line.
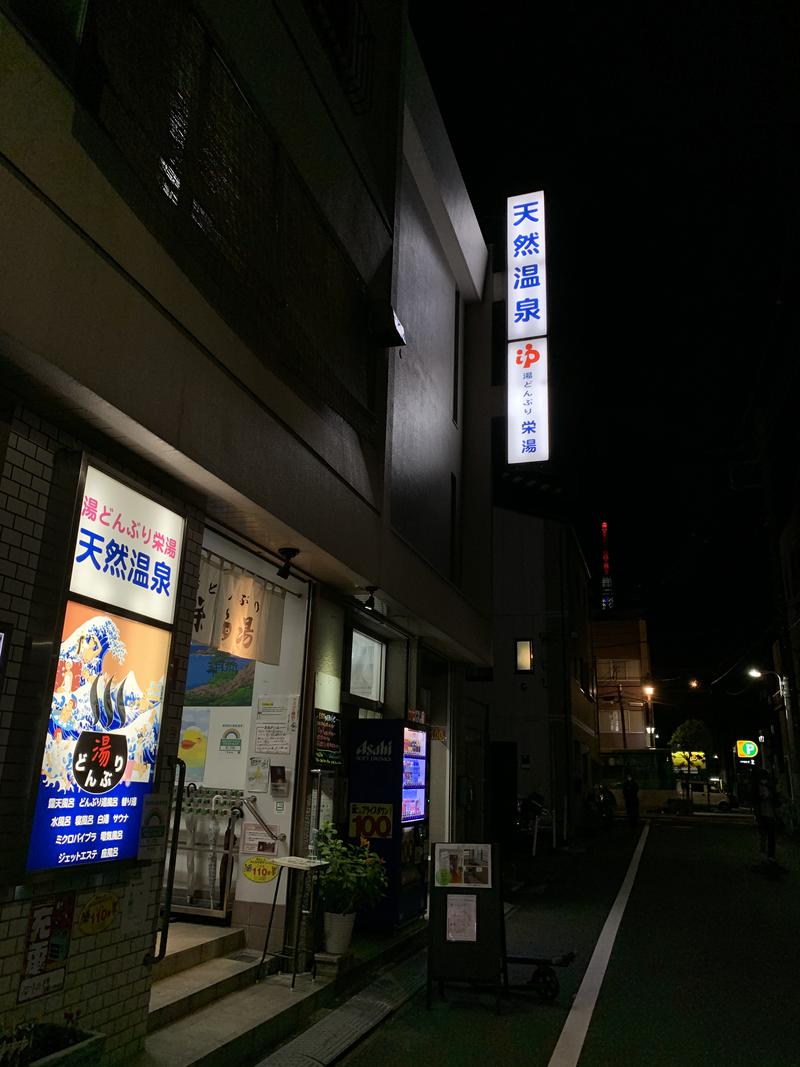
column 690, row 738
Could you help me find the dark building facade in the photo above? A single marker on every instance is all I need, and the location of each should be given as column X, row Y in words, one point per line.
column 245, row 285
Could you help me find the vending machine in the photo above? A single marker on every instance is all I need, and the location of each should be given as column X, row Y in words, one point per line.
column 388, row 805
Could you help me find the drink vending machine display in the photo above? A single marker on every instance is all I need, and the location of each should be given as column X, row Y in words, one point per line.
column 388, row 804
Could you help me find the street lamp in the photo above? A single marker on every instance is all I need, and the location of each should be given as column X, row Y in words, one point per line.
column 648, row 691
column 783, row 691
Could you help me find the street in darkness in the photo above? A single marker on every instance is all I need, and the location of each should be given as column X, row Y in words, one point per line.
column 701, row 968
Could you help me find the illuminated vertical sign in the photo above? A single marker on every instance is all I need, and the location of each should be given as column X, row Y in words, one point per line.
column 108, row 693
column 527, row 273
column 528, row 422
column 526, row 329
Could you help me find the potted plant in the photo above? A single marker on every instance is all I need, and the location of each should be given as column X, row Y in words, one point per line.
column 355, row 878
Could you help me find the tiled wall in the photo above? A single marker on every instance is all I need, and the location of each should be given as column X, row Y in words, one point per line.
column 105, row 976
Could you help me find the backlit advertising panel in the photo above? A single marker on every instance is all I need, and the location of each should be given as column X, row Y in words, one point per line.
column 104, row 718
column 102, row 739
column 128, row 549
column 528, row 416
column 527, row 273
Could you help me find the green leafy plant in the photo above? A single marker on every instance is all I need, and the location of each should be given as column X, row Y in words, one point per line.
column 355, row 877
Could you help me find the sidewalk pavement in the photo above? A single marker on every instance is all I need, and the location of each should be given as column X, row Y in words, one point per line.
column 541, row 920
column 557, row 902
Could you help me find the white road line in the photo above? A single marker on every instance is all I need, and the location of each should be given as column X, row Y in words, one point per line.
column 570, row 1044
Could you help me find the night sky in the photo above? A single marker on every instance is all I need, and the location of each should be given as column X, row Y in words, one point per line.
column 663, row 135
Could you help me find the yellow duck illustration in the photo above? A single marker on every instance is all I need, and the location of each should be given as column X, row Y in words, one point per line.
column 193, row 747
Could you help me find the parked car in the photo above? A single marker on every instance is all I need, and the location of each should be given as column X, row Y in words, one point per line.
column 705, row 796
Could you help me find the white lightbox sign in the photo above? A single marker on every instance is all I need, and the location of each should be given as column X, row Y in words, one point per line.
column 526, row 295
column 128, row 550
column 528, row 422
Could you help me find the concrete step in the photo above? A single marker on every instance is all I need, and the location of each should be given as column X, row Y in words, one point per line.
column 185, row 992
column 191, row 943
column 239, row 1027
column 242, row 1027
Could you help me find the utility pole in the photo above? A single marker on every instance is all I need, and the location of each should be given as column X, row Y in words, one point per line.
column 792, row 754
column 622, row 713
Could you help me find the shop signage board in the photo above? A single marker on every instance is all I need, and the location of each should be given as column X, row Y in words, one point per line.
column 466, row 929
column 528, row 414
column 104, row 723
column 527, row 401
column 746, row 749
column 527, row 266
column 128, row 549
column 328, row 739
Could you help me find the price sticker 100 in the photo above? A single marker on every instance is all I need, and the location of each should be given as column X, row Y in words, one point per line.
column 372, row 826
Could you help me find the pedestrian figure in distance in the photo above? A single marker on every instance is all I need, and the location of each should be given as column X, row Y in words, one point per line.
column 606, row 804
column 630, row 791
column 765, row 810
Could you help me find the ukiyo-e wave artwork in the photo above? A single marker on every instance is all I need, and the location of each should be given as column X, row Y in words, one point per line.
column 102, row 739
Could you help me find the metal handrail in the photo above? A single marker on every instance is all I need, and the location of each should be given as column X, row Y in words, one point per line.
column 250, row 804
column 176, row 827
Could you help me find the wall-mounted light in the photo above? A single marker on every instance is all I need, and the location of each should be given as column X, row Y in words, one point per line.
column 524, row 656
column 369, row 603
column 287, row 555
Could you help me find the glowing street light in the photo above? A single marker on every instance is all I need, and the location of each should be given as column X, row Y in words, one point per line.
column 783, row 691
column 650, row 726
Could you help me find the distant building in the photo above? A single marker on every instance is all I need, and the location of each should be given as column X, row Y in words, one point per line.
column 539, row 696
column 622, row 658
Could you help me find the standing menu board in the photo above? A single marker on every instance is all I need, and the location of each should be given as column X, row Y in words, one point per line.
column 466, row 929
column 327, row 739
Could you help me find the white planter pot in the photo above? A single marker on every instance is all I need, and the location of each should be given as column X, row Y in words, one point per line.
column 338, row 932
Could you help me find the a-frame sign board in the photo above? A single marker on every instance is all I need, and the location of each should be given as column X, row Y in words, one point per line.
column 466, row 928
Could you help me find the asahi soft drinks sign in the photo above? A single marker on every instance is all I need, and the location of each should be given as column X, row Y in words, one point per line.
column 128, row 549
column 526, row 301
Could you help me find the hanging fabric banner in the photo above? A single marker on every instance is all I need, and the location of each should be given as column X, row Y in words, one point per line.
column 238, row 612
column 269, row 650
column 238, row 615
column 206, row 600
